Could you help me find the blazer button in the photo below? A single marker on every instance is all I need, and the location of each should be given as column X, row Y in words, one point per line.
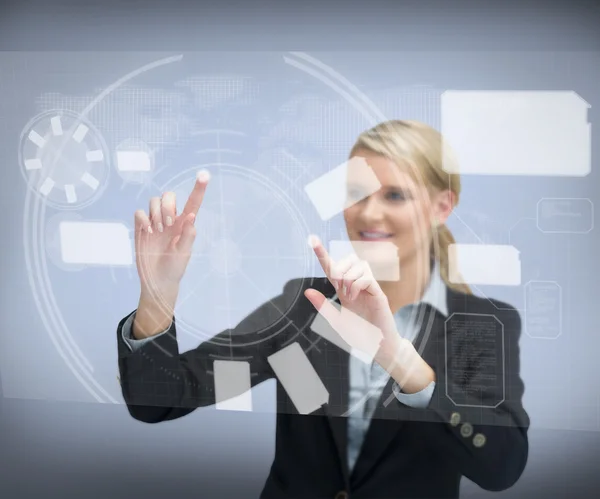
column 342, row 494
column 466, row 430
column 479, row 440
column 455, row 419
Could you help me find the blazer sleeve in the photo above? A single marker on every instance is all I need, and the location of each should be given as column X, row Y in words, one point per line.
column 483, row 433
column 158, row 383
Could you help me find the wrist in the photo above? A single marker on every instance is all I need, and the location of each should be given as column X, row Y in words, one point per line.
column 408, row 368
column 155, row 312
column 162, row 296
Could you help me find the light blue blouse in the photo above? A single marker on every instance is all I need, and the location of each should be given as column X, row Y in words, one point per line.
column 368, row 381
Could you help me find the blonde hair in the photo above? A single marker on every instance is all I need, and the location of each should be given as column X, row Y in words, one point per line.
column 421, row 147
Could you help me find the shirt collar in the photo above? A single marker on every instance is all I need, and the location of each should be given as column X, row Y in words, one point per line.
column 436, row 291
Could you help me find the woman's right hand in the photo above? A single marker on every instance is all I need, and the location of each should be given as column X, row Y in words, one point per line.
column 164, row 239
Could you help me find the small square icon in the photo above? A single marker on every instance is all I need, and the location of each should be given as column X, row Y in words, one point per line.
column 133, row 161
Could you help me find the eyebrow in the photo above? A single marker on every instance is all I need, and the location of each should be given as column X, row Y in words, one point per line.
column 385, row 187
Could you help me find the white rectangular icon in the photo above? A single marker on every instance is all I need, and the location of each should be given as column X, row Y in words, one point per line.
column 543, row 309
column 484, row 264
column 80, row 133
column 516, row 133
column 565, row 215
column 299, row 378
column 95, row 243
column 356, row 336
column 232, row 385
column 329, row 193
column 382, row 256
column 321, row 327
column 133, row 161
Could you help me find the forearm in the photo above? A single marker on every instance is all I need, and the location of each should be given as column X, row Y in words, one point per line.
column 154, row 312
column 157, row 382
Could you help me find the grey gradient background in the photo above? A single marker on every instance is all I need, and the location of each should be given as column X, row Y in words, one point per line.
column 56, row 441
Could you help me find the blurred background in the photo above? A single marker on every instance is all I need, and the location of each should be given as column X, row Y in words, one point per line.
column 120, row 102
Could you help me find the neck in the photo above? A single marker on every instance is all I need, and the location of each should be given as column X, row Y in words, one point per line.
column 414, row 278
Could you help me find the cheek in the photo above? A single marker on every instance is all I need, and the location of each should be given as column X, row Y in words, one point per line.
column 408, row 218
column 349, row 218
column 412, row 225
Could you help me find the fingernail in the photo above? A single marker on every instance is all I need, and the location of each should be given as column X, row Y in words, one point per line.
column 344, row 291
column 160, row 227
column 150, row 229
column 169, row 221
column 203, row 175
column 312, row 241
column 336, row 285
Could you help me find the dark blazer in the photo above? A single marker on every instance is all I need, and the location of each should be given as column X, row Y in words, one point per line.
column 475, row 424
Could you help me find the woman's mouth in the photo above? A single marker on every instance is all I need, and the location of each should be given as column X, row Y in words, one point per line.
column 374, row 236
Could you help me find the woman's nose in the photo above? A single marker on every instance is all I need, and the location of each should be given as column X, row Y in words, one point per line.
column 371, row 209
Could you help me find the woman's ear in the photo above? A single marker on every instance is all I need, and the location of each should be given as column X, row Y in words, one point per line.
column 442, row 206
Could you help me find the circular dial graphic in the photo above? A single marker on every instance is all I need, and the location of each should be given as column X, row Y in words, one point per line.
column 231, row 261
column 64, row 159
column 251, row 231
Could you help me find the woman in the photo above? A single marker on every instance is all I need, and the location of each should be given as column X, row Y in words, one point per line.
column 424, row 387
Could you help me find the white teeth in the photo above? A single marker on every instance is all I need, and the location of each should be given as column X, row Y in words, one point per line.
column 374, row 234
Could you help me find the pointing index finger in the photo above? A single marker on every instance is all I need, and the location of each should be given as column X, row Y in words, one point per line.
column 324, row 259
column 194, row 202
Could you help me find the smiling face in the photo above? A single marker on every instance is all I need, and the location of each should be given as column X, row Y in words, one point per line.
column 400, row 212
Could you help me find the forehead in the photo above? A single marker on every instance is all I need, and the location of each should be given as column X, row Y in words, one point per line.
column 367, row 167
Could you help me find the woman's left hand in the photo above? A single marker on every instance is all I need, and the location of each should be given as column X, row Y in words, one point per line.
column 365, row 321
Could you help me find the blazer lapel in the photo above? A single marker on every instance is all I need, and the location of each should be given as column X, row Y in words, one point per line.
column 332, row 364
column 338, row 384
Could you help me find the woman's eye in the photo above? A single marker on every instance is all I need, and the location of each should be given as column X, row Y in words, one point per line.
column 396, row 196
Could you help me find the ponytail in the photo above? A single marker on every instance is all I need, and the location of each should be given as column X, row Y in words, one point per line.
column 443, row 238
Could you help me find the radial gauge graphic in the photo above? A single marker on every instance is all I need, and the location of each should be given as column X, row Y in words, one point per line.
column 64, row 159
column 65, row 162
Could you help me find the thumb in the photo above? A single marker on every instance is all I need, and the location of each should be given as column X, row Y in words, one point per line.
column 315, row 297
column 324, row 307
